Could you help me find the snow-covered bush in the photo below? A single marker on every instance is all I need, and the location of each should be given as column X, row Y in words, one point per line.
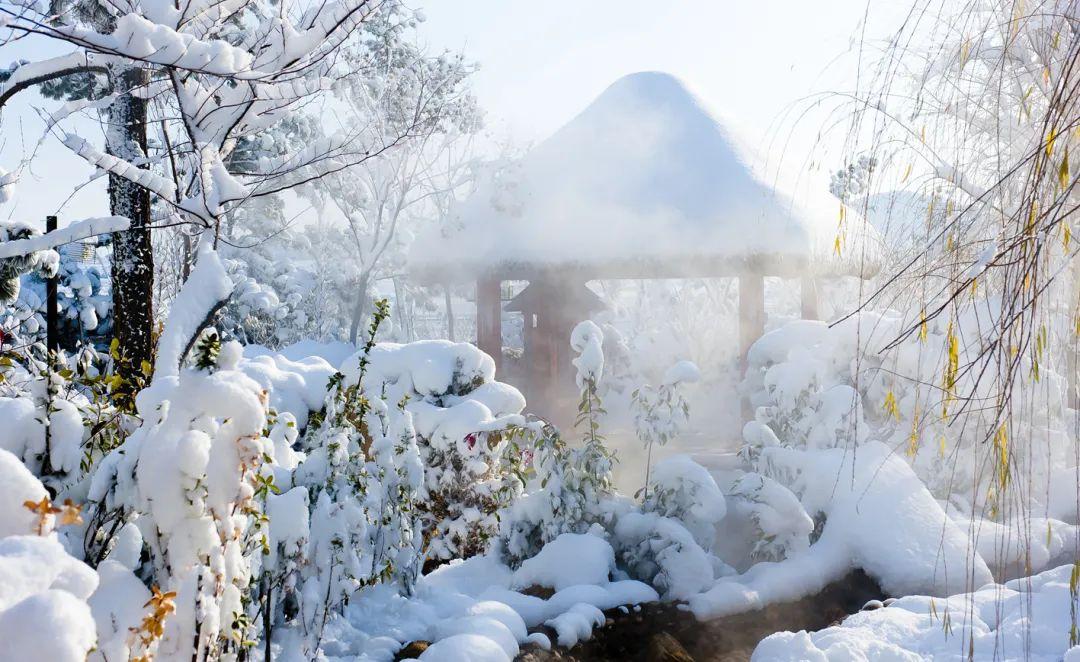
column 661, row 413
column 356, row 494
column 569, row 490
column 189, row 480
column 684, row 490
column 669, row 543
column 783, row 526
column 84, row 304
column 818, row 387
column 661, row 551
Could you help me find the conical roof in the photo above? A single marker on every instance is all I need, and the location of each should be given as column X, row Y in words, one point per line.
column 645, row 182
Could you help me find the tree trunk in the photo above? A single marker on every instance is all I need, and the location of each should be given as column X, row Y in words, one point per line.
column 133, row 254
column 362, row 305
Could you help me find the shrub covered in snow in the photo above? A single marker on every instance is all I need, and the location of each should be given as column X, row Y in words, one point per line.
column 817, row 387
column 464, row 422
column 568, row 490
column 84, row 303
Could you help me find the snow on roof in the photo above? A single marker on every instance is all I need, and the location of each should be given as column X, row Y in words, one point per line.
column 647, row 178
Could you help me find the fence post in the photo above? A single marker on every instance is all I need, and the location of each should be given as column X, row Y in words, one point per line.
column 52, row 314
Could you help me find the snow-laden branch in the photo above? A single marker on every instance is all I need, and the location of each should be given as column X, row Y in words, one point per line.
column 35, row 73
column 76, row 231
column 208, row 287
column 161, row 186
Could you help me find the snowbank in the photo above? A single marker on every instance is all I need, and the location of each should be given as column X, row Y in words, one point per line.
column 880, row 517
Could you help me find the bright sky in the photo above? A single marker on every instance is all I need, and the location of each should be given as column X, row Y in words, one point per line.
column 749, row 61
column 542, row 63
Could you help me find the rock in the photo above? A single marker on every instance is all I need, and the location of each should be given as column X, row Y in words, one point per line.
column 872, row 605
column 542, row 592
column 665, row 648
column 411, row 650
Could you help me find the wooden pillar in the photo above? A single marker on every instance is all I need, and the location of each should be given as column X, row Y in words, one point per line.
column 489, row 318
column 810, row 309
column 751, row 324
column 751, row 312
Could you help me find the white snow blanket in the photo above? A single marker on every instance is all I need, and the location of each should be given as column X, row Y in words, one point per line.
column 1025, row 619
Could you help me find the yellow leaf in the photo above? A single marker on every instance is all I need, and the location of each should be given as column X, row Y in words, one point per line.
column 1050, row 138
column 836, row 245
column 890, row 405
column 1063, row 170
column 922, row 326
column 907, row 173
column 965, row 51
column 1001, row 444
column 1066, row 234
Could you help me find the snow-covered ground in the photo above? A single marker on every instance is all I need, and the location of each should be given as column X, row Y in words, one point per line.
column 1025, row 619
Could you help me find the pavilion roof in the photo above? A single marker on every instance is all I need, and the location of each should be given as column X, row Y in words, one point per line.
column 645, row 182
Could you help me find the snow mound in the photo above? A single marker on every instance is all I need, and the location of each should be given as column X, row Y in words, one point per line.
column 576, row 624
column 469, row 611
column 43, row 592
column 466, row 648
column 566, row 561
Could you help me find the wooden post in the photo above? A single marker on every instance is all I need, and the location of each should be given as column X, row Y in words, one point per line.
column 489, row 318
column 751, row 324
column 52, row 313
column 751, row 312
column 809, row 298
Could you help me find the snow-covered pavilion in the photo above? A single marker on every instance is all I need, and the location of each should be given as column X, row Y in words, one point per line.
column 645, row 183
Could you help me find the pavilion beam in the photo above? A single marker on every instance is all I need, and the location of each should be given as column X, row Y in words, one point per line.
column 489, row 318
column 809, row 296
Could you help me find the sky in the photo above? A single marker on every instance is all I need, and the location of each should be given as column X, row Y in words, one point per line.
column 541, row 63
column 750, row 62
